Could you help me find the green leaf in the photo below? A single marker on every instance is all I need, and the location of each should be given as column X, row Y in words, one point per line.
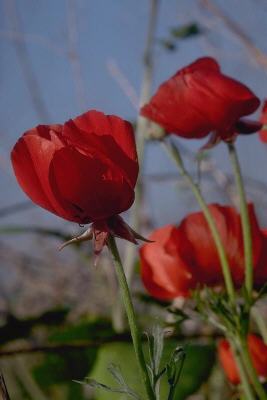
column 72, row 364
column 197, row 367
column 186, row 31
column 262, row 292
column 167, row 44
column 64, row 367
column 15, row 328
column 92, row 329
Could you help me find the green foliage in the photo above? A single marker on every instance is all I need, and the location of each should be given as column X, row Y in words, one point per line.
column 197, row 367
column 68, row 365
column 121, row 388
column 15, row 328
column 94, row 329
column 186, row 31
column 180, row 33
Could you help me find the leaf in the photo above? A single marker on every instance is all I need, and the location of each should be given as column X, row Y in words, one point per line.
column 158, row 343
column 179, row 314
column 167, row 44
column 15, row 328
column 123, row 388
column 89, row 329
column 197, row 367
column 262, row 292
column 186, row 31
column 74, row 363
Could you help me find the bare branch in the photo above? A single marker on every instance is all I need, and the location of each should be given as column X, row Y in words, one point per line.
column 25, row 64
column 258, row 55
column 118, row 338
column 135, row 218
column 123, row 82
column 3, row 389
column 74, row 55
column 34, row 39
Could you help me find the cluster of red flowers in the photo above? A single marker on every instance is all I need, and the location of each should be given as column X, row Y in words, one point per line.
column 86, row 170
column 258, row 351
column 186, row 256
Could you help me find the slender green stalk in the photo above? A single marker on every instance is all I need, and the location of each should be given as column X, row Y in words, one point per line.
column 246, row 228
column 261, row 323
column 141, row 128
column 175, row 155
column 247, row 389
column 247, row 361
column 136, row 337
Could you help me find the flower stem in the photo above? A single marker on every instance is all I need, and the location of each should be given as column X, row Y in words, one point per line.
column 175, row 155
column 246, row 228
column 247, row 361
column 261, row 323
column 136, row 337
column 248, row 392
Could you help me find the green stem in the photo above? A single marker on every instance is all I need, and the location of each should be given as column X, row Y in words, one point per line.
column 248, row 392
column 261, row 323
column 247, row 361
column 246, row 228
column 136, row 337
column 175, row 155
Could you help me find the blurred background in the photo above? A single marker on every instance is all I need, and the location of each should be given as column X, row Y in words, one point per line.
column 60, row 317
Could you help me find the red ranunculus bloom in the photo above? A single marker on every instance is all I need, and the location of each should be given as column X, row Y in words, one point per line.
column 199, row 99
column 184, row 256
column 84, row 171
column 263, row 120
column 258, row 351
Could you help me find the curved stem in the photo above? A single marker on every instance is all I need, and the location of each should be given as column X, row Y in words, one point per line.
column 260, row 321
column 248, row 392
column 246, row 228
column 175, row 155
column 245, row 354
column 136, row 337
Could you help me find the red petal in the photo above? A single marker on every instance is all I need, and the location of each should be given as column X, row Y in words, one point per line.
column 31, row 158
column 263, row 120
column 106, row 134
column 91, row 188
column 228, row 363
column 260, row 277
column 164, row 273
column 258, row 351
column 247, row 126
column 204, row 252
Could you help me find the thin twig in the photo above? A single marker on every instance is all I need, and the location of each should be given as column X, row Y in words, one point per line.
column 33, row 38
column 258, row 55
column 140, row 132
column 74, row 55
column 123, row 82
column 25, row 64
column 3, row 389
column 118, row 338
column 130, row 251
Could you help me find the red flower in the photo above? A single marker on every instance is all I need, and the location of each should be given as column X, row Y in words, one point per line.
column 185, row 256
column 263, row 119
column 199, row 99
column 83, row 171
column 258, row 351
column 164, row 272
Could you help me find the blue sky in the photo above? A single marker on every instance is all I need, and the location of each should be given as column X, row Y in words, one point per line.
column 113, row 31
